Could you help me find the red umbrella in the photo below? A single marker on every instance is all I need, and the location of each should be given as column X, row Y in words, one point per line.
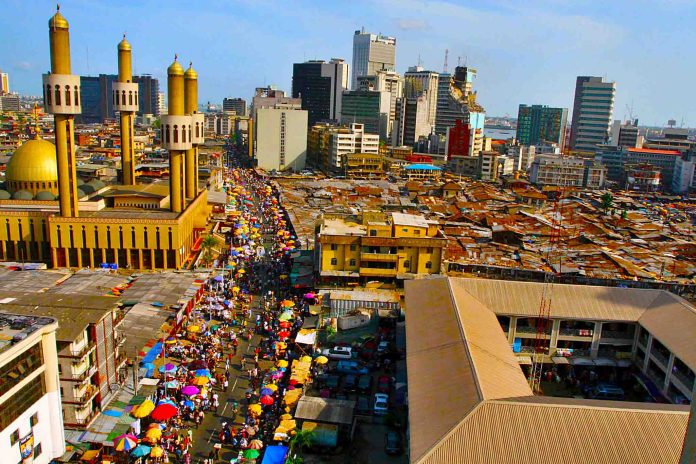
column 266, row 400
column 285, row 325
column 283, row 334
column 292, row 382
column 164, row 412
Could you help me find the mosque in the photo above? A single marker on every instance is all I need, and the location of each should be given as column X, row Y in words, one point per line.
column 48, row 215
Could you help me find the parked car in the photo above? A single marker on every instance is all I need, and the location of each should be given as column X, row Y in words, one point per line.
column 328, row 381
column 605, row 391
column 382, row 347
column 384, row 384
column 392, row 443
column 350, row 383
column 338, row 352
column 362, row 405
column 365, row 383
column 350, row 367
column 381, row 406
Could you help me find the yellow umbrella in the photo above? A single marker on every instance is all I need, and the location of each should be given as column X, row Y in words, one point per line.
column 194, row 328
column 286, row 417
column 288, row 424
column 281, row 429
column 143, row 409
column 156, row 452
column 255, row 409
column 282, row 363
column 154, row 433
column 241, row 271
column 306, row 359
column 271, row 386
column 202, row 380
column 321, row 360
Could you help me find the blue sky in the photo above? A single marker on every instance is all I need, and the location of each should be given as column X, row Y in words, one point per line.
column 525, row 51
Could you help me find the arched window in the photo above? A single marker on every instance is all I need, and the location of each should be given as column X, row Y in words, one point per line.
column 136, row 97
column 183, row 133
column 77, row 96
column 123, row 97
column 167, row 133
column 130, row 97
column 189, row 131
column 67, row 95
column 197, row 133
column 48, row 94
column 57, row 92
column 176, row 133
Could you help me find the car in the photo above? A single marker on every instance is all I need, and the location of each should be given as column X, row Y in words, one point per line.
column 605, row 391
column 365, row 383
column 384, row 384
column 350, row 383
column 381, row 404
column 338, row 352
column 362, row 405
column 382, row 347
column 392, row 443
column 350, row 367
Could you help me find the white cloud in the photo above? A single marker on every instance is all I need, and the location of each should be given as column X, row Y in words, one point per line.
column 411, row 24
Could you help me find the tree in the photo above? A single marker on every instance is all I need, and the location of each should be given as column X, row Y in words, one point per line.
column 207, row 245
column 607, row 201
column 301, row 440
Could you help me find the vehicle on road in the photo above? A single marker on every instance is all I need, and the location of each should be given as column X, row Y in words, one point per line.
column 384, row 384
column 392, row 443
column 605, row 391
column 381, row 404
column 382, row 347
column 350, row 383
column 350, row 367
column 362, row 405
column 338, row 352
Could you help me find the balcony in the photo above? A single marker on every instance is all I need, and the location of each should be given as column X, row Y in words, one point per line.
column 79, row 353
column 526, row 331
column 687, row 381
column 584, row 333
column 377, row 272
column 89, row 393
column 381, row 257
column 83, row 422
column 82, row 376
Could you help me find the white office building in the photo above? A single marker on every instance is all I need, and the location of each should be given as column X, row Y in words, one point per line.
column 418, row 81
column 281, row 138
column 385, row 81
column 372, row 53
column 353, row 140
column 593, row 109
column 31, row 421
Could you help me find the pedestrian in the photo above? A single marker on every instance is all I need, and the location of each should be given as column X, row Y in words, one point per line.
column 226, row 384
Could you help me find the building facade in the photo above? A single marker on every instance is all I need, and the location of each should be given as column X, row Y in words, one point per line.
column 567, row 172
column 540, row 124
column 238, row 105
column 320, row 86
column 454, row 98
column 372, row 53
column 31, row 423
column 281, row 138
column 418, row 81
column 347, row 141
column 617, row 158
column 369, row 108
column 4, row 83
column 412, row 120
column 98, row 104
column 385, row 81
column 363, row 165
column 593, row 110
column 625, row 134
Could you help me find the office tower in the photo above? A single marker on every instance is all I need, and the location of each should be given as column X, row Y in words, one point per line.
column 281, row 141
column 238, row 105
column 161, row 103
column 370, row 108
column 540, row 124
column 418, row 81
column 270, row 97
column 372, row 53
column 455, row 98
column 320, row 86
column 385, row 81
column 10, row 102
column 592, row 113
column 149, row 94
column 125, row 101
column 412, row 120
column 98, row 104
column 4, row 83
column 625, row 134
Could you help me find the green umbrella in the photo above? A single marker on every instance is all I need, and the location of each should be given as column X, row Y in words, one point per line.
column 251, row 454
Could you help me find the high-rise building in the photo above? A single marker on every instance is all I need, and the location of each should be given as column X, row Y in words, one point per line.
column 540, row 124
column 412, row 120
column 4, row 83
column 372, row 53
column 353, row 140
column 369, row 108
column 453, row 98
column 10, row 102
column 625, row 134
column 270, row 97
column 98, row 104
column 320, row 85
column 238, row 105
column 593, row 109
column 418, row 81
column 149, row 89
column 281, row 138
column 385, row 81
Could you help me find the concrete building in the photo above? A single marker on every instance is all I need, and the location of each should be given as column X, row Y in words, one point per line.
column 625, row 134
column 377, row 246
column 455, row 98
column 10, row 102
column 567, row 172
column 684, row 177
column 281, row 138
column 540, row 124
column 617, row 158
column 352, row 140
column 672, row 139
column 464, row 139
column 31, row 424
column 522, row 155
column 418, row 81
column 4, row 83
column 98, row 104
column 593, row 110
column 369, row 108
column 385, row 81
column 320, row 86
column 372, row 53
column 363, row 165
column 488, row 165
column 270, row 97
column 642, row 178
column 412, row 120
column 238, row 105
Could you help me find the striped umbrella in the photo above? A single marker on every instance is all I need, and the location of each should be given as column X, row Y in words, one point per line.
column 125, row 442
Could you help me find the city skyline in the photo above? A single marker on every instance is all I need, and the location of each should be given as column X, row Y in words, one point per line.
column 544, row 46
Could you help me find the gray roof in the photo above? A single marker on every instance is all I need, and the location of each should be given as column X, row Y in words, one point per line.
column 325, row 410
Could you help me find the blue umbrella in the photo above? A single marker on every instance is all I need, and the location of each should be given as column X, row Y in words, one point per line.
column 217, row 278
column 203, row 373
column 141, row 451
column 167, row 401
column 266, row 391
column 188, row 404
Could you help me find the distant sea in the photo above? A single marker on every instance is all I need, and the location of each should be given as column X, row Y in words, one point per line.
column 502, row 134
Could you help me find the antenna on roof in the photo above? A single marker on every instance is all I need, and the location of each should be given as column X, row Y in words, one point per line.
column 444, row 68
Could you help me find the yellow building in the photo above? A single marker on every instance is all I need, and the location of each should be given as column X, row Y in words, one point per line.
column 363, row 165
column 135, row 226
column 378, row 246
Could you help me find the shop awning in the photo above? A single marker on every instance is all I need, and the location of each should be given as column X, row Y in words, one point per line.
column 306, row 336
column 581, row 362
column 560, row 360
column 524, row 359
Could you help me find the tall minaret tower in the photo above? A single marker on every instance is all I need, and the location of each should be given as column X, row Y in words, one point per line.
column 62, row 99
column 197, row 121
column 176, row 135
column 125, row 100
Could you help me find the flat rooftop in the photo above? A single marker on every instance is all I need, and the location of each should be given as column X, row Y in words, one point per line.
column 16, row 327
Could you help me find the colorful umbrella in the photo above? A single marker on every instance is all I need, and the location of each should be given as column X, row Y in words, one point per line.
column 200, row 381
column 251, row 454
column 266, row 391
column 156, row 452
column 190, row 390
column 169, row 367
column 285, row 325
column 140, row 451
column 154, row 433
column 271, row 386
column 125, row 442
column 285, row 417
column 255, row 409
column 306, row 359
column 143, row 409
column 194, row 328
column 255, row 444
column 266, row 400
column 172, row 384
column 164, row 412
column 282, row 363
column 202, row 373
column 285, row 317
column 166, row 401
column 287, row 304
column 283, row 334
column 321, row 360
column 288, row 424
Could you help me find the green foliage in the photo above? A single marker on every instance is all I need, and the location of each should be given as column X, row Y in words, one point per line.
column 607, row 201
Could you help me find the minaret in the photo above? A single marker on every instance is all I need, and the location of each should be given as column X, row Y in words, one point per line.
column 197, row 121
column 62, row 99
column 176, row 134
column 125, row 101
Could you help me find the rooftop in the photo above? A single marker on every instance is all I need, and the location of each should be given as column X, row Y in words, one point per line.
column 655, row 151
column 16, row 327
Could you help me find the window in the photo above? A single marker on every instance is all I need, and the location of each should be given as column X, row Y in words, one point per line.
column 352, row 262
column 373, row 233
column 334, row 261
column 14, row 438
column 429, row 265
column 416, row 232
column 48, row 94
column 429, row 250
column 407, row 264
column 352, row 248
column 37, row 451
column 334, row 247
column 34, row 419
column 176, row 133
column 57, row 92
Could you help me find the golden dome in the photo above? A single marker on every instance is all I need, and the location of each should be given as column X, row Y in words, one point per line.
column 190, row 73
column 175, row 69
column 124, row 45
column 34, row 161
column 58, row 21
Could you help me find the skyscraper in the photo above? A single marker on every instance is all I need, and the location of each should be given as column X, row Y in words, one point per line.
column 593, row 109
column 4, row 83
column 371, row 53
column 97, row 104
column 385, row 81
column 541, row 125
column 455, row 98
column 370, row 108
column 412, row 120
column 238, row 105
column 320, row 86
column 418, row 81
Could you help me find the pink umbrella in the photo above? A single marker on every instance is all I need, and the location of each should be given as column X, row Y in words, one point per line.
column 190, row 390
column 309, row 295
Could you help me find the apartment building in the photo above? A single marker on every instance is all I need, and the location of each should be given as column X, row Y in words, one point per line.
column 363, row 165
column 389, row 247
column 617, row 158
column 327, row 145
column 566, row 172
